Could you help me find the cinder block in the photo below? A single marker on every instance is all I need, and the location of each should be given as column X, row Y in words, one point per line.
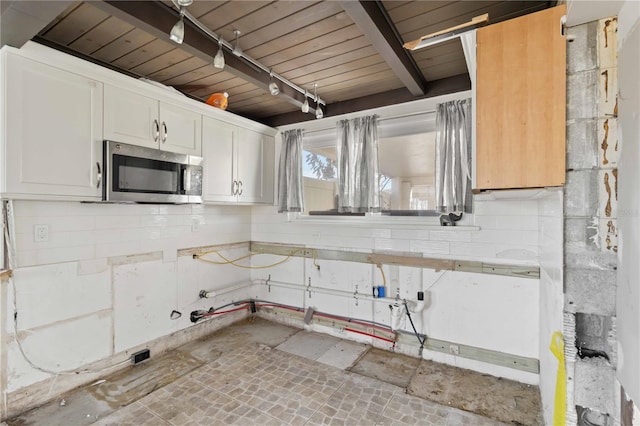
column 582, row 95
column 584, row 258
column 581, row 193
column 608, row 92
column 580, row 233
column 594, row 385
column 607, row 40
column 582, row 145
column 592, row 335
column 608, row 143
column 608, row 234
column 582, row 51
column 590, row 291
column 608, row 193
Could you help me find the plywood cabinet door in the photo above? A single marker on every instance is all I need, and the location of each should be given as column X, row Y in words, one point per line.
column 52, row 132
column 521, row 101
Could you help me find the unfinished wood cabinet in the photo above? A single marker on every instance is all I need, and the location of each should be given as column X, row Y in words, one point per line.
column 521, row 101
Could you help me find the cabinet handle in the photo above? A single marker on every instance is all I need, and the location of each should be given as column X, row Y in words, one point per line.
column 99, row 176
column 234, row 187
column 164, row 132
column 239, row 187
column 157, row 126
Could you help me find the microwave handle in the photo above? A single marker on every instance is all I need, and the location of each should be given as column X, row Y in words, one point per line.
column 186, row 179
column 99, row 175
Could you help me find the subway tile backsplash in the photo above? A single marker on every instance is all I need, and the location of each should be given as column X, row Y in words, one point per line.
column 85, row 231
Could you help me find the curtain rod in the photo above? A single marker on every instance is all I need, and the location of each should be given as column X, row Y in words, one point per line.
column 393, row 117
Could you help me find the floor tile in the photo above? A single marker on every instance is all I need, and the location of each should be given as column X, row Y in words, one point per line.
column 343, row 354
column 308, row 344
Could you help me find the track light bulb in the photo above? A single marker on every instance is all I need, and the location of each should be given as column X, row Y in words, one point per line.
column 177, row 32
column 273, row 86
column 236, row 49
column 274, row 89
column 305, row 105
column 319, row 113
column 218, row 60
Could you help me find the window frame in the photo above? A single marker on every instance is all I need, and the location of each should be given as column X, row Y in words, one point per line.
column 395, row 120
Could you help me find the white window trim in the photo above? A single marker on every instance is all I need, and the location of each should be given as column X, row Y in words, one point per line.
column 401, row 119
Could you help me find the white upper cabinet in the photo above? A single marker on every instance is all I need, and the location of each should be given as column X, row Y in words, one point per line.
column 255, row 167
column 52, row 137
column 144, row 121
column 239, row 164
column 219, row 140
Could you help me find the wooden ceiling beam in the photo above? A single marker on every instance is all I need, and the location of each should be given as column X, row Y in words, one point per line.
column 443, row 86
column 157, row 19
column 374, row 22
column 21, row 20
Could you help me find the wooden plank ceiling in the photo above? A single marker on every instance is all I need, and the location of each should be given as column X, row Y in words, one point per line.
column 304, row 41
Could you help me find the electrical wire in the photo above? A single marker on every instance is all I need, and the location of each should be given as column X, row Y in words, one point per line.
column 233, row 262
column 384, row 278
column 7, row 222
column 422, row 342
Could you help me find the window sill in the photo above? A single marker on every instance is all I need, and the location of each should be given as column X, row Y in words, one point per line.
column 423, row 222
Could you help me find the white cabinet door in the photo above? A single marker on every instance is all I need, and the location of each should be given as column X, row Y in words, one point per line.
column 180, row 130
column 53, row 131
column 219, row 141
column 130, row 118
column 143, row 121
column 255, row 167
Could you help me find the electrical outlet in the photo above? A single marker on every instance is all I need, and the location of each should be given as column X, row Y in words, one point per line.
column 40, row 233
column 454, row 349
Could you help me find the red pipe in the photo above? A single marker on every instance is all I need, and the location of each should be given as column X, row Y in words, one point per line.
column 370, row 335
column 208, row 314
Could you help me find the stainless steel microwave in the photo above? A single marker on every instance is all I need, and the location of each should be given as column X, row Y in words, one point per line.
column 146, row 175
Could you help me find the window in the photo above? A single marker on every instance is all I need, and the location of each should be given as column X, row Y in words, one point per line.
column 406, row 157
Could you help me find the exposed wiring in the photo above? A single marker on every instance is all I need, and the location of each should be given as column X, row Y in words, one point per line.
column 233, row 262
column 422, row 342
column 437, row 280
column 7, row 222
column 384, row 278
column 370, row 335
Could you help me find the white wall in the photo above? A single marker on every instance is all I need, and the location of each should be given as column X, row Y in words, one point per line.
column 487, row 311
column 628, row 297
column 108, row 279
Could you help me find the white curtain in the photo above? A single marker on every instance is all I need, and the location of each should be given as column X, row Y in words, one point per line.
column 290, row 192
column 358, row 165
column 453, row 156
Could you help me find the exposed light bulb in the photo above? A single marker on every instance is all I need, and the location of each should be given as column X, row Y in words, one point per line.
column 236, row 49
column 319, row 113
column 218, row 60
column 273, row 86
column 185, row 3
column 305, row 105
column 177, row 32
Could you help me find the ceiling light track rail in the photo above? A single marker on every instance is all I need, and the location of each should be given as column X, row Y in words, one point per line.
column 239, row 53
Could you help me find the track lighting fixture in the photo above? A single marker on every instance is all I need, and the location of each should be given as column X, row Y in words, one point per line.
column 236, row 49
column 305, row 105
column 319, row 113
column 177, row 32
column 218, row 60
column 273, row 86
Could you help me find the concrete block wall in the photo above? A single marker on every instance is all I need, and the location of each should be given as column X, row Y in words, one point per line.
column 590, row 221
